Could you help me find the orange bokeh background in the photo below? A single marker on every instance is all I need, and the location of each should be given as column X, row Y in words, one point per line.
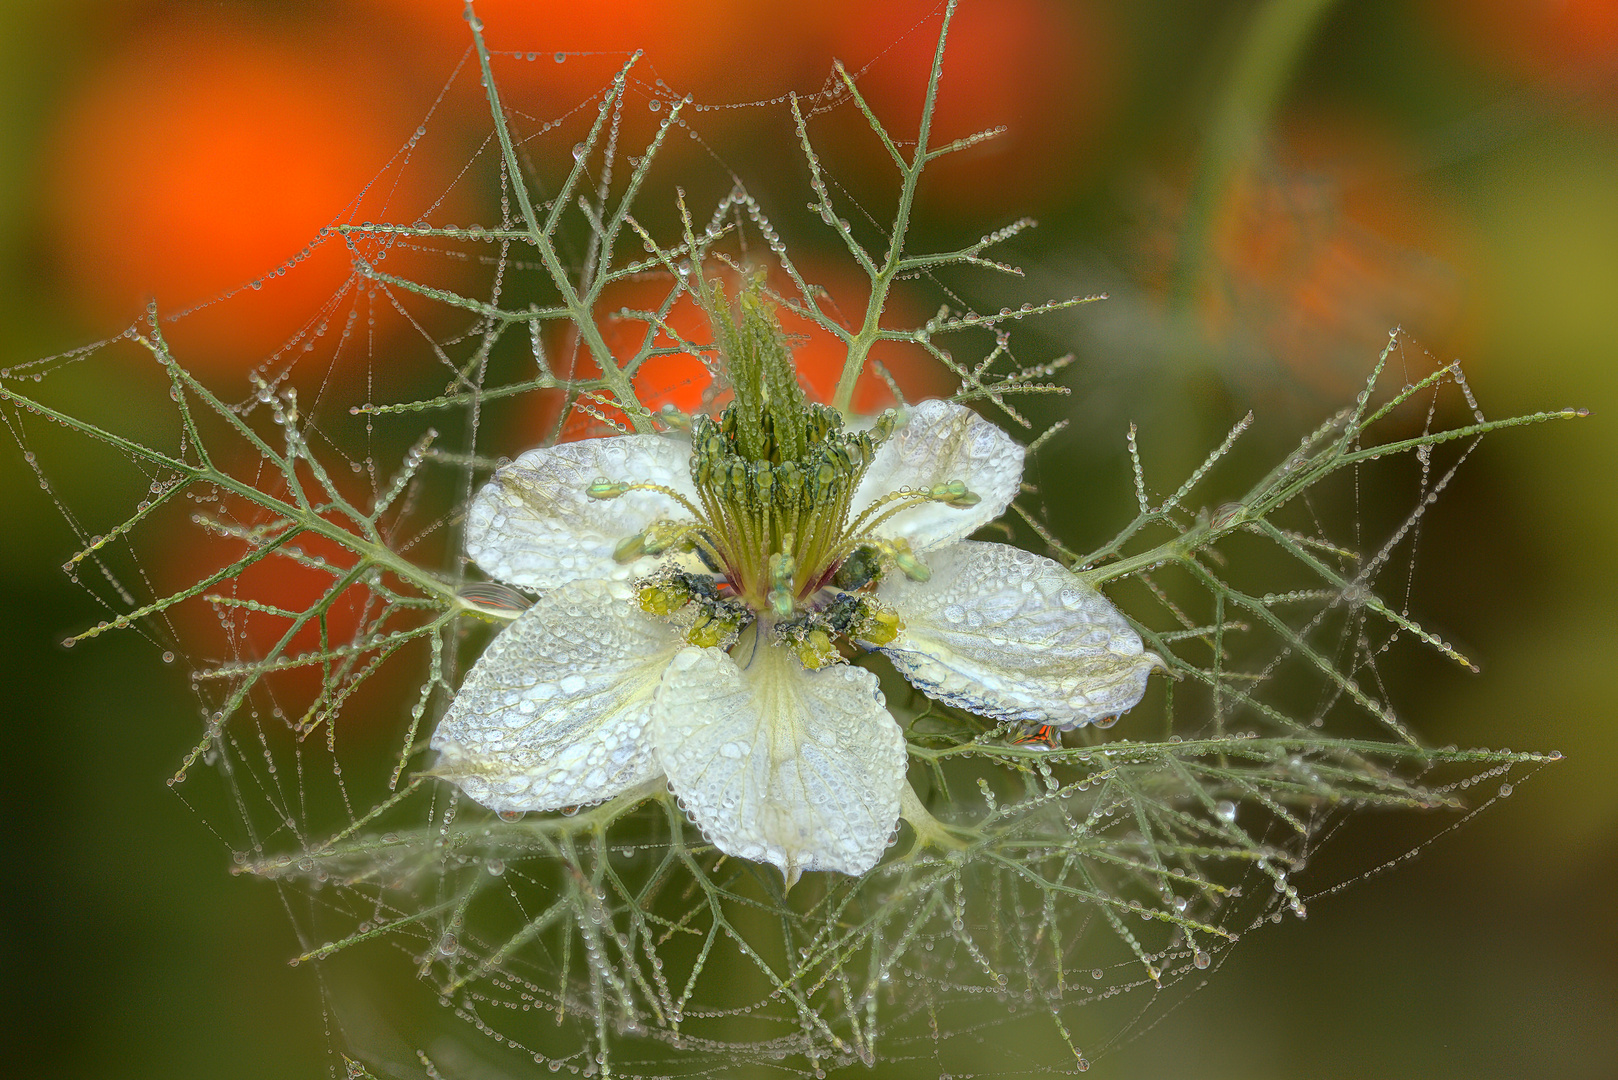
column 1447, row 165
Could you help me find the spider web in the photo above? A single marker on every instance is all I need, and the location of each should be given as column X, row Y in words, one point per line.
column 1085, row 886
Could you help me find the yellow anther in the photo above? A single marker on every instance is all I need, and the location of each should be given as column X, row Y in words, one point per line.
column 663, row 599
column 815, row 650
column 877, row 625
column 706, row 633
column 715, row 627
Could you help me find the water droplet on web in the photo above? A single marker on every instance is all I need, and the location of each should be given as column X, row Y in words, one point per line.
column 168, row 658
column 560, row 57
column 654, row 105
column 1202, row 960
column 509, row 815
column 578, row 148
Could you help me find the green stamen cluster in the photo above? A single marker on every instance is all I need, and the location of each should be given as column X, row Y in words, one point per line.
column 777, row 523
column 775, row 476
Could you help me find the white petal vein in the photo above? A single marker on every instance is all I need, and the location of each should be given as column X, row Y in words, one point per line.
column 778, row 764
column 533, row 525
column 1013, row 636
column 556, row 711
column 940, row 441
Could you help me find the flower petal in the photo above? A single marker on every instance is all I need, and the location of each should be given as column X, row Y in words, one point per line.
column 534, row 525
column 939, row 442
column 778, row 764
column 1013, row 636
column 555, row 713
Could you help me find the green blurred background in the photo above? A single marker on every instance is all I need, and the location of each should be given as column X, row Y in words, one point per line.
column 1264, row 188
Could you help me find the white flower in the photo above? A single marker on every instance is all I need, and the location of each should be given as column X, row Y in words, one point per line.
column 694, row 606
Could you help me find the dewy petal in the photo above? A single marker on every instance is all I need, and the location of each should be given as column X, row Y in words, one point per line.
column 939, row 442
column 1010, row 635
column 556, row 711
column 533, row 524
column 777, row 764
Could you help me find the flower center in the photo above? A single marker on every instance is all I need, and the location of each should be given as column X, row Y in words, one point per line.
column 774, row 526
column 777, row 529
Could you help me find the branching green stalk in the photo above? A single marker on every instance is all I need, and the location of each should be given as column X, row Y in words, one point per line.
column 910, row 176
column 580, row 308
column 373, row 553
